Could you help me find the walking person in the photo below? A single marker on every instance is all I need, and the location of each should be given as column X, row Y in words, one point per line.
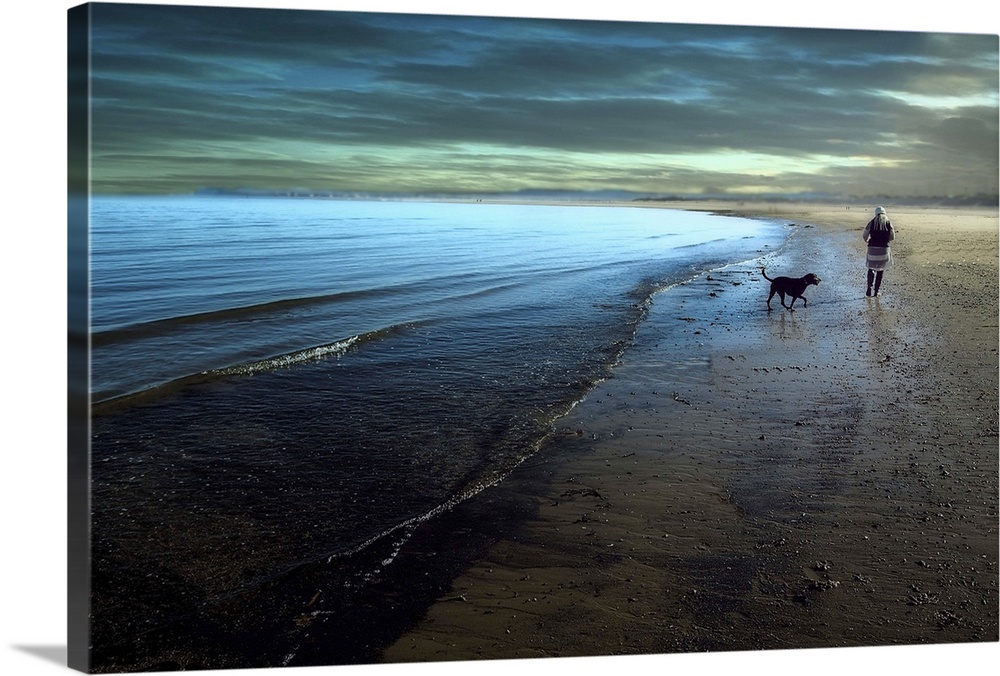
column 878, row 233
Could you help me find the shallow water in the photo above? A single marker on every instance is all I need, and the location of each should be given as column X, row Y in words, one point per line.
column 289, row 381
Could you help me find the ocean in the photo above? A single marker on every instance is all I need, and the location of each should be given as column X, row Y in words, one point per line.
column 285, row 383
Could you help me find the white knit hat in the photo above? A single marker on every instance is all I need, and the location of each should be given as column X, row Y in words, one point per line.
column 879, row 210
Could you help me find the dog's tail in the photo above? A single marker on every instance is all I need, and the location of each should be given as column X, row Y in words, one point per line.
column 765, row 274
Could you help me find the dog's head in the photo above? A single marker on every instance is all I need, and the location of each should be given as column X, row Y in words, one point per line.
column 811, row 279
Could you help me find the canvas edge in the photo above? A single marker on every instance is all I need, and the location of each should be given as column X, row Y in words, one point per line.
column 78, row 350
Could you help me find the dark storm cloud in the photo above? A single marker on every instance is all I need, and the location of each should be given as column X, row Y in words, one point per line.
column 178, row 83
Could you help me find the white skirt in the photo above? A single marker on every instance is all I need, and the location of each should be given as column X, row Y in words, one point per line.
column 878, row 258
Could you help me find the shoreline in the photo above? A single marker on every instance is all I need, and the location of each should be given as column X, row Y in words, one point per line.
column 758, row 480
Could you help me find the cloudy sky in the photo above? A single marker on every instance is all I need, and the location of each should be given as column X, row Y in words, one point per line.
column 191, row 97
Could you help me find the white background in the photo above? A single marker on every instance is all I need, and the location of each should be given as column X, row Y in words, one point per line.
column 32, row 542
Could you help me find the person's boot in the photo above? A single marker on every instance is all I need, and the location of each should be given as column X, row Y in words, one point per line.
column 878, row 282
column 871, row 277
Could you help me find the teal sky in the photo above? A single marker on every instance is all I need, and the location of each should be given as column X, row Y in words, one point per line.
column 190, row 97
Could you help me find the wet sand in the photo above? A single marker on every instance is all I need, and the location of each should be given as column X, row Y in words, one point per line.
column 754, row 480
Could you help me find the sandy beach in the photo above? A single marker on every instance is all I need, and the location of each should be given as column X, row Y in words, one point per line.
column 751, row 479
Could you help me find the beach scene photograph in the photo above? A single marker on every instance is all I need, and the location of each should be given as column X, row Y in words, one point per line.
column 401, row 338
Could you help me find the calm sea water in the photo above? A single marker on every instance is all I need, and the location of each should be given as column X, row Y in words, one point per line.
column 280, row 382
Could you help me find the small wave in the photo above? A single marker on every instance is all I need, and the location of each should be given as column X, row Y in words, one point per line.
column 311, row 354
column 286, row 360
column 144, row 329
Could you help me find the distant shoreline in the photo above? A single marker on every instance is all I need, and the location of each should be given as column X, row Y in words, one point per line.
column 596, row 198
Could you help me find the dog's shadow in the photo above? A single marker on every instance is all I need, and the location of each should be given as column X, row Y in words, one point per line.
column 815, row 305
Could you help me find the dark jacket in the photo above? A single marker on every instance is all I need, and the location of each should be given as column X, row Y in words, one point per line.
column 878, row 236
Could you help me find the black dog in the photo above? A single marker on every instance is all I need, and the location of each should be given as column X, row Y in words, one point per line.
column 792, row 286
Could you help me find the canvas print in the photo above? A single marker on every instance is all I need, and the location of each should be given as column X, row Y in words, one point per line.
column 401, row 338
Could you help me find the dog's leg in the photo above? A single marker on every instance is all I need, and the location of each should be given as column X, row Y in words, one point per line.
column 769, row 299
